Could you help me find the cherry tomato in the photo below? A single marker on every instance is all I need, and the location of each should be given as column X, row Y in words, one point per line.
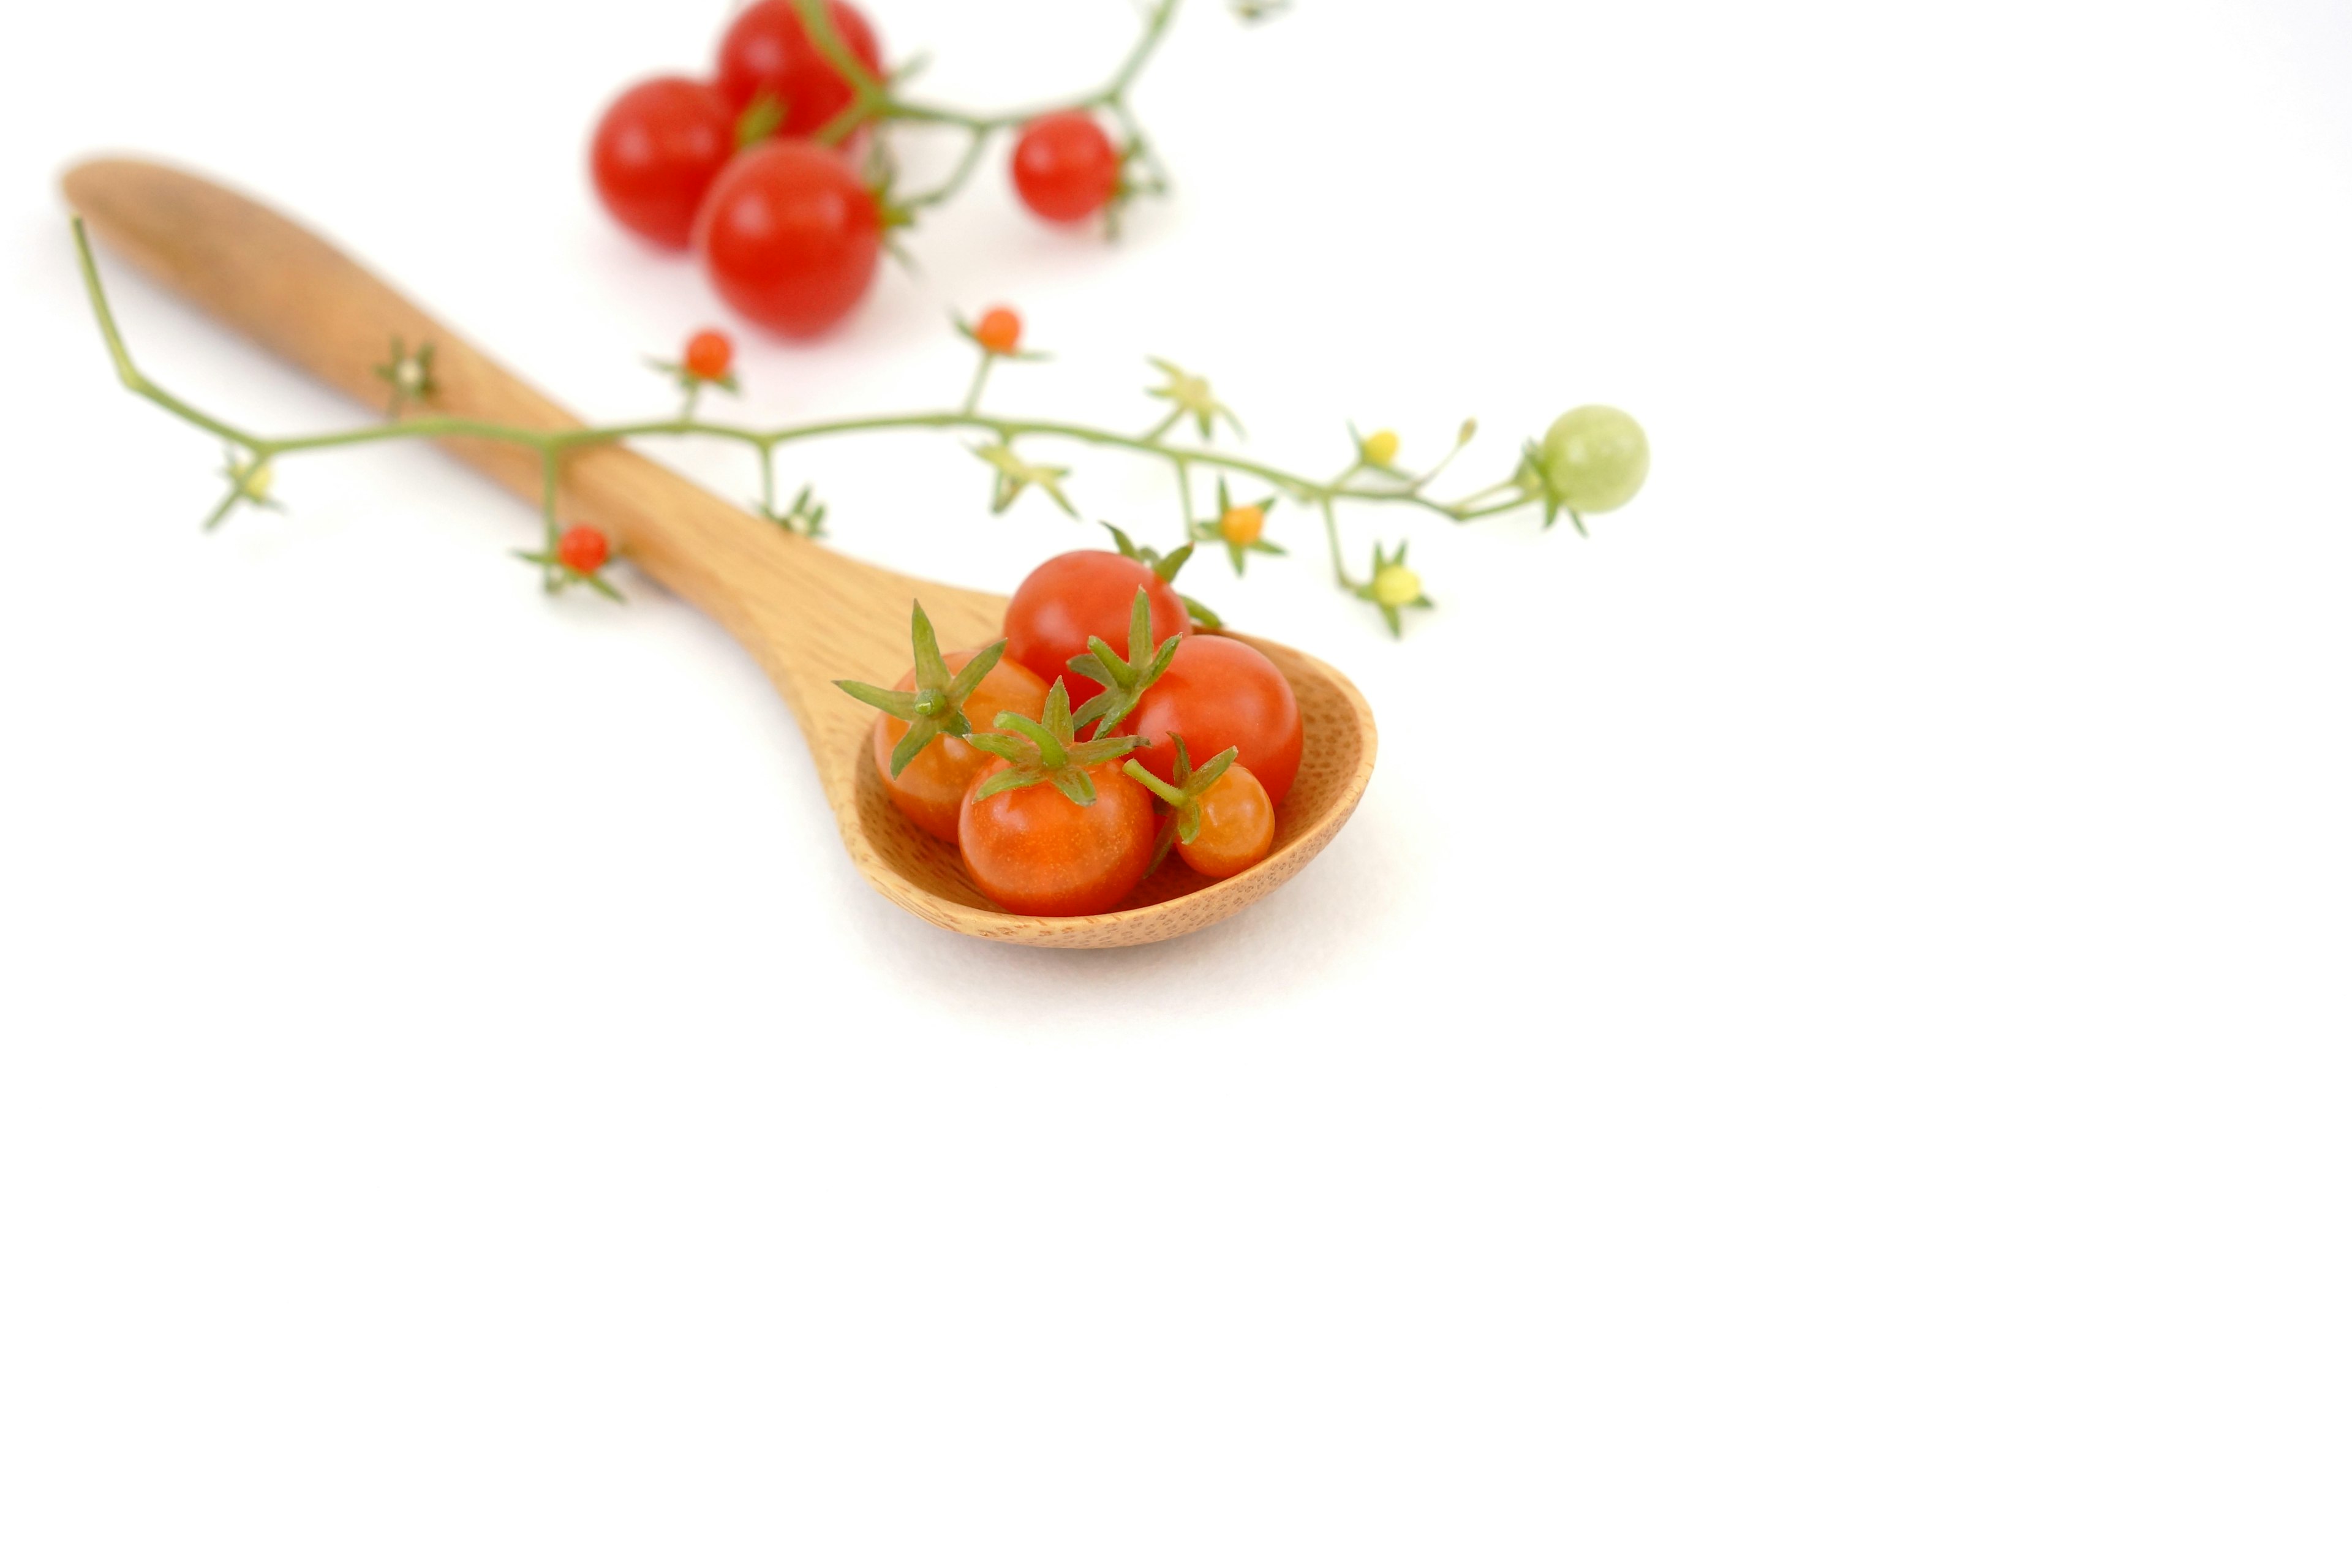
column 583, row 549
column 708, row 355
column 1242, row 524
column 1218, row 692
column 655, row 153
column 998, row 331
column 1237, row 826
column 790, row 236
column 768, row 50
column 1087, row 592
column 1035, row 852
column 931, row 788
column 1065, row 167
column 1596, row 458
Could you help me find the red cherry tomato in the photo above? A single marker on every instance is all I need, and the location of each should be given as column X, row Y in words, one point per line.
column 1218, row 692
column 998, row 329
column 583, row 549
column 790, row 236
column 655, row 153
column 931, row 789
column 708, row 355
column 1036, row 853
column 1087, row 592
column 1236, row 825
column 1065, row 167
column 768, row 50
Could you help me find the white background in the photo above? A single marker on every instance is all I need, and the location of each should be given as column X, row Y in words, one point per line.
column 1825, row 1043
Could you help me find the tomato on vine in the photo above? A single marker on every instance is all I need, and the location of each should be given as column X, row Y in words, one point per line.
column 1053, row 826
column 1084, row 595
column 767, row 53
column 583, row 549
column 1218, row 692
column 655, row 153
column 790, row 236
column 1065, row 167
column 710, row 355
column 998, row 329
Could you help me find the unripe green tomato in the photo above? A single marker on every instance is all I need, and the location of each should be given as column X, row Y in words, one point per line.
column 1595, row 458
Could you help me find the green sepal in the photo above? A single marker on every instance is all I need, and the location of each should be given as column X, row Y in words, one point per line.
column 1202, row 617
column 935, row 707
column 1183, row 795
column 561, row 576
column 1123, row 681
column 1047, row 751
column 1163, row 567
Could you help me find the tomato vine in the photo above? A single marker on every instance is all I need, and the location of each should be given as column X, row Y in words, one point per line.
column 1553, row 474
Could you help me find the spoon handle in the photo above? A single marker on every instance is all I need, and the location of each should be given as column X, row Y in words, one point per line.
column 291, row 292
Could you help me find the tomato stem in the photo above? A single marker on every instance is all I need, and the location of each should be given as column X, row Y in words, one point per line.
column 251, row 453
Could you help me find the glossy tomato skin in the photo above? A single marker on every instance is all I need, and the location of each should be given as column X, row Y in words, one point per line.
column 1219, row 692
column 1064, row 166
column 657, row 152
column 1237, row 826
column 1036, row 853
column 790, row 236
column 767, row 49
column 1086, row 593
column 930, row 790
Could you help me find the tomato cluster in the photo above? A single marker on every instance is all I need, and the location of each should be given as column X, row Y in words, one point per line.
column 788, row 230
column 1051, row 824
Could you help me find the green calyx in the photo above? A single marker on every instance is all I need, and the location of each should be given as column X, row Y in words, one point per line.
column 935, row 707
column 1165, row 568
column 408, row 374
column 1184, row 795
column 1123, row 681
column 1048, row 751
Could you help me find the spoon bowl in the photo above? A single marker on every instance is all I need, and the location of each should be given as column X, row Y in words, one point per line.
column 806, row 613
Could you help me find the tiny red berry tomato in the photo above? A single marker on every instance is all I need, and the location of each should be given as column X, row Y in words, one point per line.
column 708, row 355
column 1086, row 593
column 655, row 153
column 790, row 236
column 767, row 50
column 1237, row 826
column 1064, row 166
column 929, row 790
column 583, row 549
column 999, row 330
column 1220, row 693
column 1036, row 852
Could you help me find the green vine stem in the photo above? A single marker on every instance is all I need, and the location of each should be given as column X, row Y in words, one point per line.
column 1367, row 480
column 875, row 101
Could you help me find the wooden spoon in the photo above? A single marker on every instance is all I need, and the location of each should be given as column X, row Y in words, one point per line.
column 807, row 614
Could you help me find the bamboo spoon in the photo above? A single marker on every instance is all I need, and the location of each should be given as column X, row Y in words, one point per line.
column 807, row 614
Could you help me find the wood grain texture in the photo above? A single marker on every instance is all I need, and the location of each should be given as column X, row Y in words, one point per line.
column 808, row 614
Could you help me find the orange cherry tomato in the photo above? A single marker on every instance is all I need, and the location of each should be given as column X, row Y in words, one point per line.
column 931, row 789
column 999, row 330
column 708, row 355
column 1035, row 852
column 1237, row 826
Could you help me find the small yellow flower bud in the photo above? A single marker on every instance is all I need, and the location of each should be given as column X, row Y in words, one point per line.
column 1381, row 447
column 253, row 482
column 1396, row 586
column 1241, row 525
